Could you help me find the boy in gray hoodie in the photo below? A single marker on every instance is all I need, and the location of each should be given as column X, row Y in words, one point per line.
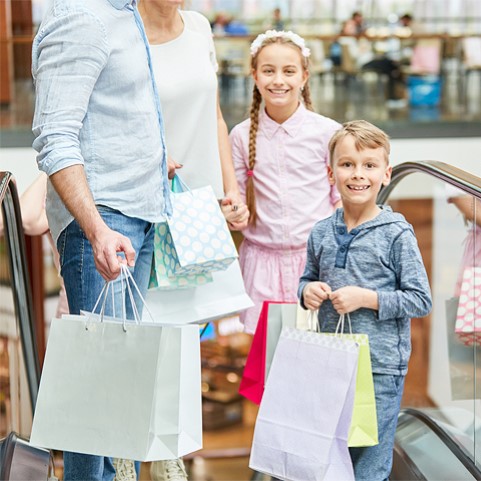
column 364, row 260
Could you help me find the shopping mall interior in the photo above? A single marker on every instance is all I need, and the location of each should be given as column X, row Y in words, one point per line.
column 434, row 123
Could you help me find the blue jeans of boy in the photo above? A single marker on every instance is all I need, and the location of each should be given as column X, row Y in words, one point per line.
column 374, row 463
column 83, row 285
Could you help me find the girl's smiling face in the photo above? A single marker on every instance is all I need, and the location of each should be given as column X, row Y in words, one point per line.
column 279, row 76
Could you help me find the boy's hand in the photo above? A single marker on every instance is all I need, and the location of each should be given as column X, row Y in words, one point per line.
column 350, row 298
column 314, row 294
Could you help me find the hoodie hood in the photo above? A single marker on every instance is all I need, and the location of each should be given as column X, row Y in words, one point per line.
column 385, row 217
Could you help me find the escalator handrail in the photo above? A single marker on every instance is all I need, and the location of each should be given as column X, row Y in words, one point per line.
column 465, row 181
column 22, row 296
column 454, row 447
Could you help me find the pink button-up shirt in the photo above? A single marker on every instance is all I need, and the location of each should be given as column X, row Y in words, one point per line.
column 290, row 176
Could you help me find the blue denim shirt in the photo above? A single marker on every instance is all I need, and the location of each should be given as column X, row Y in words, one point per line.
column 382, row 255
column 97, row 105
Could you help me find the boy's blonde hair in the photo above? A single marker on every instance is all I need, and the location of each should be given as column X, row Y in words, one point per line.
column 366, row 136
column 254, row 114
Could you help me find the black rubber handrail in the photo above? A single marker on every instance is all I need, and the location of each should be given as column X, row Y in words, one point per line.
column 22, row 297
column 459, row 178
column 446, row 439
column 415, row 473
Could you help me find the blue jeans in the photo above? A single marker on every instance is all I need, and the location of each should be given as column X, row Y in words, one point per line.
column 374, row 463
column 83, row 285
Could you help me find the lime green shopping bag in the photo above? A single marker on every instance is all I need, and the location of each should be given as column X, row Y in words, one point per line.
column 363, row 430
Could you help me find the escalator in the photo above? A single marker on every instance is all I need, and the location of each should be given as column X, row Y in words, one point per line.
column 18, row 460
column 427, row 449
column 441, row 443
column 429, row 444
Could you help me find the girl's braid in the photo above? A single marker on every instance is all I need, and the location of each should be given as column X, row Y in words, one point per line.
column 250, row 191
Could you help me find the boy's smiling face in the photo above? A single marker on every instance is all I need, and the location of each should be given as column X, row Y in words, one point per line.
column 358, row 174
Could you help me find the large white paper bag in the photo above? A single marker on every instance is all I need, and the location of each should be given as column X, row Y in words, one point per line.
column 128, row 391
column 303, row 421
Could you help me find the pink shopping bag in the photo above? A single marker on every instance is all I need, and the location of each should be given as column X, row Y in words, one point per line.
column 261, row 351
column 468, row 316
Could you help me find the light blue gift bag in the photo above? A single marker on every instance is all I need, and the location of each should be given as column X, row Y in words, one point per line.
column 195, row 240
column 159, row 277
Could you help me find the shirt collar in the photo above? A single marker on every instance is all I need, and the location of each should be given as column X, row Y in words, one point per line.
column 120, row 4
column 291, row 126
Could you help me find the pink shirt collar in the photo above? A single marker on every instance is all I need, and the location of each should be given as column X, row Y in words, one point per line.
column 291, row 126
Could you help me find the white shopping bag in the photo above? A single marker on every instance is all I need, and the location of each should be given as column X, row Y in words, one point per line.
column 278, row 317
column 121, row 389
column 222, row 297
column 303, row 421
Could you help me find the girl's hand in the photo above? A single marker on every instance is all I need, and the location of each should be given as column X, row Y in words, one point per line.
column 235, row 212
column 350, row 298
column 314, row 294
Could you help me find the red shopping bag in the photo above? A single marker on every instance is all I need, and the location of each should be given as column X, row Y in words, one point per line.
column 254, row 375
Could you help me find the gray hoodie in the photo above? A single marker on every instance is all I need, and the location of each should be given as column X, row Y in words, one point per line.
column 382, row 255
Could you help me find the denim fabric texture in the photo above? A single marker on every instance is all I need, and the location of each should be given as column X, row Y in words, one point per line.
column 97, row 106
column 374, row 463
column 83, row 284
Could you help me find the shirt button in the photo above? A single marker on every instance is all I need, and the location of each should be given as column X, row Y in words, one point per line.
column 343, row 249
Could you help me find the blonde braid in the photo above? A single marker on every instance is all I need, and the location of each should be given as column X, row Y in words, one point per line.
column 250, row 191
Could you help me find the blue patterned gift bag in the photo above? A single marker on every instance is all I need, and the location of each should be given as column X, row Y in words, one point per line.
column 196, row 239
column 159, row 277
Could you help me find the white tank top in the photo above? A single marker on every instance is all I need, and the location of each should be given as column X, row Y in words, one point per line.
column 185, row 71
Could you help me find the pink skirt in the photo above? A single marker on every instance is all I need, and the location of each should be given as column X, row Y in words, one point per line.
column 269, row 275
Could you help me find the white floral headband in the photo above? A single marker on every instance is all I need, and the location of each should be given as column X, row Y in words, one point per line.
column 293, row 37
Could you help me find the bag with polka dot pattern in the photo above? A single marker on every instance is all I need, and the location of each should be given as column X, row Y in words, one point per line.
column 468, row 316
column 193, row 242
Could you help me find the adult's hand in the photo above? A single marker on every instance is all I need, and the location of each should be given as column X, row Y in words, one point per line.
column 172, row 166
column 106, row 245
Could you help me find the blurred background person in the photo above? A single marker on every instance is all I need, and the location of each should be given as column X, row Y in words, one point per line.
column 277, row 21
column 355, row 25
column 220, row 23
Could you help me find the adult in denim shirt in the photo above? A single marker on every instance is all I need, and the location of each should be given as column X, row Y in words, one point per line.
column 99, row 134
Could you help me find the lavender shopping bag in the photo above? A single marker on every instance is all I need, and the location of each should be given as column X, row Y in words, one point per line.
column 303, row 421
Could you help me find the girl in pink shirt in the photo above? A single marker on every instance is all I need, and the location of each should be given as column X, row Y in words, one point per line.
column 281, row 156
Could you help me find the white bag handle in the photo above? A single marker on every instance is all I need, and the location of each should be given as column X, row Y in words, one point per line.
column 340, row 324
column 125, row 276
column 313, row 321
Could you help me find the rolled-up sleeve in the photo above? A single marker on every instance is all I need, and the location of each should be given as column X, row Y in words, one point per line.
column 413, row 296
column 68, row 56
